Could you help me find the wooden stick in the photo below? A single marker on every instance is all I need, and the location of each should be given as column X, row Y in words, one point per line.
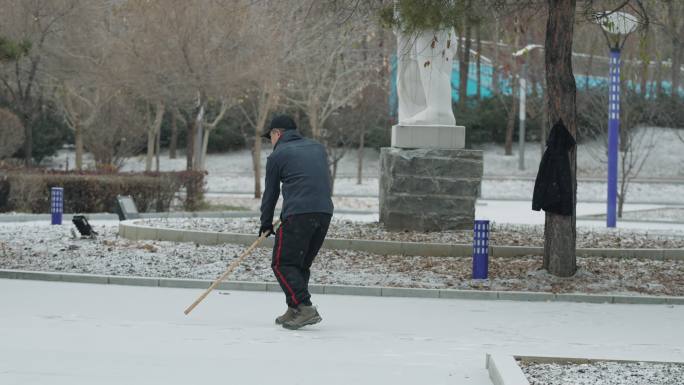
column 230, row 269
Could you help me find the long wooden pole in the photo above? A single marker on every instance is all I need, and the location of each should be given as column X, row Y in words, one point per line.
column 230, row 269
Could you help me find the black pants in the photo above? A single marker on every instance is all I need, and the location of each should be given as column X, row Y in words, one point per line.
column 297, row 242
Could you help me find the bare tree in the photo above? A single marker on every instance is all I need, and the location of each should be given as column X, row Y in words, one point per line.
column 115, row 133
column 173, row 144
column 668, row 18
column 328, row 72
column 559, row 231
column 464, row 50
column 637, row 137
column 262, row 101
column 81, row 107
column 674, row 28
column 35, row 25
column 154, row 116
column 273, row 35
column 186, row 53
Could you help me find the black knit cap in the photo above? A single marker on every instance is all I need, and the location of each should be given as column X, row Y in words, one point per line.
column 281, row 121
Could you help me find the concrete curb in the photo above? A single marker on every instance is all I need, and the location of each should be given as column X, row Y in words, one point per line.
column 132, row 231
column 375, row 291
column 504, row 370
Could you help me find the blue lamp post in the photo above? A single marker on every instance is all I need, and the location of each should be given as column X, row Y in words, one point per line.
column 613, row 135
column 616, row 27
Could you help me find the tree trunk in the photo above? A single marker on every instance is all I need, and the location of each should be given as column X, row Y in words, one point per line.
column 495, row 60
column 313, row 121
column 190, row 144
column 157, row 148
column 624, row 181
column 533, row 74
column 199, row 137
column 28, row 142
column 78, row 143
column 478, row 36
column 545, row 120
column 676, row 66
column 560, row 231
column 256, row 163
column 174, row 136
column 359, row 166
column 659, row 78
column 464, row 65
column 207, row 128
column 644, row 78
column 151, row 138
column 267, row 98
column 205, row 146
column 152, row 129
column 645, row 63
column 510, row 120
column 333, row 176
column 590, row 64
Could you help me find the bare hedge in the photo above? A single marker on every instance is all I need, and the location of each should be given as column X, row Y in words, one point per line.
column 96, row 192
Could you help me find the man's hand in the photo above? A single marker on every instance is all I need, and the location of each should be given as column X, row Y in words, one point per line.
column 268, row 229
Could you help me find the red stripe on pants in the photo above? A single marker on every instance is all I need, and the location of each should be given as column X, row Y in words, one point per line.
column 277, row 267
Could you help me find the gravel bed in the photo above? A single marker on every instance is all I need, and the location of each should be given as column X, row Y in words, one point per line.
column 604, row 373
column 40, row 247
column 502, row 235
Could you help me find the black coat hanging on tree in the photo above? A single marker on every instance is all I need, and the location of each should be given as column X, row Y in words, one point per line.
column 553, row 190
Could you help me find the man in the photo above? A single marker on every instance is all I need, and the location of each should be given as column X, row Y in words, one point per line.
column 301, row 165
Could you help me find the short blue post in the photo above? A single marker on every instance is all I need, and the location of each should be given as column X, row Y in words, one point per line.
column 57, row 204
column 613, row 136
column 481, row 249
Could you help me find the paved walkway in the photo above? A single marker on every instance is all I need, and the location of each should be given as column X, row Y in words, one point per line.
column 62, row 333
column 520, row 212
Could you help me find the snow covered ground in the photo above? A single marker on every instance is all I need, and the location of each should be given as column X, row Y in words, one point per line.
column 520, row 212
column 664, row 160
column 502, row 211
column 232, row 172
column 510, row 189
column 60, row 333
column 79, row 334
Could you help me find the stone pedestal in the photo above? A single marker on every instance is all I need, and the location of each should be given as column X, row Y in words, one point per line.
column 432, row 136
column 429, row 189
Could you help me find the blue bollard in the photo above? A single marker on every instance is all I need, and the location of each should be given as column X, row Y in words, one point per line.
column 481, row 249
column 57, row 204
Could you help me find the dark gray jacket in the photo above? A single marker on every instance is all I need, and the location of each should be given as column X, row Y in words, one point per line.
column 301, row 165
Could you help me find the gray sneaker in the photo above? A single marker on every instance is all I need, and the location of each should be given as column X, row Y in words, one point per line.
column 289, row 314
column 304, row 315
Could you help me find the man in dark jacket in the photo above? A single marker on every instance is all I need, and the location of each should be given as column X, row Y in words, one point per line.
column 301, row 165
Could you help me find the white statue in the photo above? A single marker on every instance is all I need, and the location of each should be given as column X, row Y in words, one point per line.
column 424, row 77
